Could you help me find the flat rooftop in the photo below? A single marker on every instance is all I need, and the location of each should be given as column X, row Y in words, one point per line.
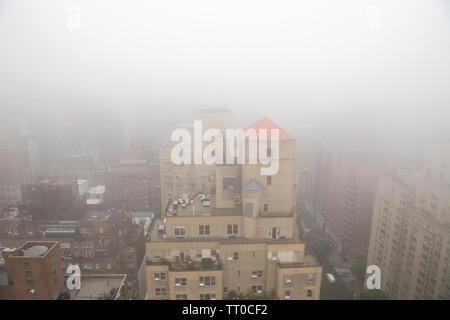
column 197, row 209
column 98, row 287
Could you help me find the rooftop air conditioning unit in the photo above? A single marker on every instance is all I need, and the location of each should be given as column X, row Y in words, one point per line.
column 288, row 281
column 287, row 297
column 156, row 279
column 253, row 276
column 201, row 284
column 229, row 259
column 177, row 285
column 259, row 291
column 274, row 259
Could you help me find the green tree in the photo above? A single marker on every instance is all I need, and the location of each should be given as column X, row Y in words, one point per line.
column 359, row 268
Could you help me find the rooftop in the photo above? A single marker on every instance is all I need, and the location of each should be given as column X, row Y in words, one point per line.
column 198, row 210
column 268, row 124
column 98, row 287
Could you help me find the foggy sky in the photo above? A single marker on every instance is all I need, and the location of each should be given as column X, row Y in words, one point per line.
column 156, row 62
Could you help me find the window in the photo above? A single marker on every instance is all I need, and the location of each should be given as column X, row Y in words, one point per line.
column 28, row 273
column 274, row 232
column 311, row 277
column 157, row 254
column 204, row 229
column 87, row 253
column 236, row 255
column 161, row 291
column 181, row 296
column 225, row 289
column 269, row 180
column 86, row 244
column 232, row 229
column 287, row 294
column 159, row 276
column 27, row 264
column 179, row 231
column 64, row 245
column 208, row 296
column 274, row 256
column 309, row 293
column 207, row 281
column 101, row 230
column 257, row 274
column 257, row 289
column 180, row 282
column 265, row 206
column 30, row 282
column 287, row 279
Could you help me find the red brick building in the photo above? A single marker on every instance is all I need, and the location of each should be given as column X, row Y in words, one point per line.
column 32, row 272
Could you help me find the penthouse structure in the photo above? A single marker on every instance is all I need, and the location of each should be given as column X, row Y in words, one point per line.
column 227, row 231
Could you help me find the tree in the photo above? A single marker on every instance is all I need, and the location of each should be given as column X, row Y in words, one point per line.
column 359, row 268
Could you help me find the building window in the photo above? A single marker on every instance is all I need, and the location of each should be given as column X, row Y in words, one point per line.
column 287, row 279
column 208, row 296
column 309, row 293
column 311, row 277
column 27, row 264
column 207, row 281
column 257, row 274
column 161, row 291
column 269, row 180
column 181, row 296
column 232, row 229
column 157, row 254
column 28, row 273
column 265, row 206
column 64, row 245
column 180, row 282
column 159, row 276
column 274, row 256
column 204, row 229
column 235, row 255
column 179, row 231
column 287, row 294
column 257, row 289
column 30, row 282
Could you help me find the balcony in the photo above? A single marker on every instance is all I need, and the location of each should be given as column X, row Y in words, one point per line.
column 194, row 266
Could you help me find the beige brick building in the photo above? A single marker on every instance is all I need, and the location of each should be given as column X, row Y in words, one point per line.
column 245, row 240
column 410, row 232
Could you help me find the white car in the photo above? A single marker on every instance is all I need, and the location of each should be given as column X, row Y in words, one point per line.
column 330, row 278
column 206, row 203
column 183, row 205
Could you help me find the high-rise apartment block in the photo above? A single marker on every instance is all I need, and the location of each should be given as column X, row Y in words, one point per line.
column 226, row 230
column 410, row 233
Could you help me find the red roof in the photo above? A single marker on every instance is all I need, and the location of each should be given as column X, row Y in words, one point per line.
column 268, row 124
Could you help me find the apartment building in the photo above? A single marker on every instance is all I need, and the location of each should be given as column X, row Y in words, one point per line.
column 32, row 272
column 410, row 232
column 104, row 241
column 134, row 180
column 228, row 231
